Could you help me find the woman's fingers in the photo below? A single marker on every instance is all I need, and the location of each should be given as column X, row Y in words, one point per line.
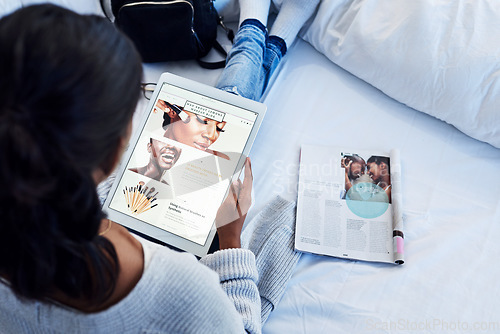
column 239, row 199
column 245, row 195
column 160, row 104
column 232, row 213
column 248, row 180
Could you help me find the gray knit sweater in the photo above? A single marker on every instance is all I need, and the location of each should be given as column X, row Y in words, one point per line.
column 177, row 293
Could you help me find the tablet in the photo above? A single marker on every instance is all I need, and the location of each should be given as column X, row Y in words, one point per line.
column 177, row 169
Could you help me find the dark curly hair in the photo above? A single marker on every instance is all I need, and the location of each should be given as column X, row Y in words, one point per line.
column 69, row 86
column 378, row 160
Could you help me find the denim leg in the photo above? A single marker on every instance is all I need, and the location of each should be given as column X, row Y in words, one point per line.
column 275, row 50
column 242, row 74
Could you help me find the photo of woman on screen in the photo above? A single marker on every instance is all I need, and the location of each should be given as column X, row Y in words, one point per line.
column 191, row 129
column 163, row 156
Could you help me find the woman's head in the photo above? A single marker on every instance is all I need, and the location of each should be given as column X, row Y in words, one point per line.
column 68, row 89
column 163, row 156
column 196, row 131
column 378, row 168
column 356, row 166
column 68, row 80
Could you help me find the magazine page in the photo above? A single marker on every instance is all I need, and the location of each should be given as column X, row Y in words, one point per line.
column 182, row 163
column 346, row 201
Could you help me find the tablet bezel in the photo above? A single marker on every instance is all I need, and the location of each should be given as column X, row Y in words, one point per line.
column 151, row 231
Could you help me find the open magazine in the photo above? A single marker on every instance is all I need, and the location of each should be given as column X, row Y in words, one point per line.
column 349, row 204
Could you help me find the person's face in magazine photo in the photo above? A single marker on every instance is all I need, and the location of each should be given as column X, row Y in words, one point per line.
column 374, row 171
column 196, row 131
column 354, row 166
column 378, row 169
column 356, row 169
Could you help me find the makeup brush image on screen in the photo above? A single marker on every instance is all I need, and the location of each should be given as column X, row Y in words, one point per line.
column 139, row 198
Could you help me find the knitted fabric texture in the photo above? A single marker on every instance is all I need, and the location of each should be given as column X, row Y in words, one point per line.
column 176, row 294
column 270, row 236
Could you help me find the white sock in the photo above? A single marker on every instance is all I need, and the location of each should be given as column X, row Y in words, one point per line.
column 291, row 17
column 254, row 9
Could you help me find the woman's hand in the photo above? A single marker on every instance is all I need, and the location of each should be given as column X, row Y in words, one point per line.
column 162, row 106
column 233, row 211
column 346, row 166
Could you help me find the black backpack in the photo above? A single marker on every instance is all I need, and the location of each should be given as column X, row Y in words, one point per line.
column 171, row 29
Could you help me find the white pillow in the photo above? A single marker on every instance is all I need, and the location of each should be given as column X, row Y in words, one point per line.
column 439, row 57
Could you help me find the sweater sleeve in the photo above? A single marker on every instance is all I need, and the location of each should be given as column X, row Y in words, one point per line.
column 238, row 277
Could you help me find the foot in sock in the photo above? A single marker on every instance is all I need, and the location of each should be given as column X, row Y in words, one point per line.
column 254, row 9
column 291, row 17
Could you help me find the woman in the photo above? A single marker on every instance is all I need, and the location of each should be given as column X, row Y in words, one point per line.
column 379, row 169
column 162, row 157
column 191, row 129
column 69, row 86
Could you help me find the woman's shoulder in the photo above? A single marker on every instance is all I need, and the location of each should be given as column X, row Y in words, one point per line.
column 178, row 289
column 175, row 293
column 161, row 259
column 169, row 272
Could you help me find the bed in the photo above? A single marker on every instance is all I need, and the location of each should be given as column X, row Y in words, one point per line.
column 421, row 76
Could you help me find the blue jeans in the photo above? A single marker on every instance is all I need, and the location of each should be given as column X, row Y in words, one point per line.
column 251, row 61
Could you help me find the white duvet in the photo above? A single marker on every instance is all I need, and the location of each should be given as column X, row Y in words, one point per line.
column 439, row 57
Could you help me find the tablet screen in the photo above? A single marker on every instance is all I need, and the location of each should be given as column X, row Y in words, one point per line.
column 182, row 162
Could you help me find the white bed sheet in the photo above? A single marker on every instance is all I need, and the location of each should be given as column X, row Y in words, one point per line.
column 451, row 209
column 451, row 206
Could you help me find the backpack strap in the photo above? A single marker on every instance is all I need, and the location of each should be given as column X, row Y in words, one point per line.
column 219, row 48
column 229, row 32
column 105, row 12
column 217, row 64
